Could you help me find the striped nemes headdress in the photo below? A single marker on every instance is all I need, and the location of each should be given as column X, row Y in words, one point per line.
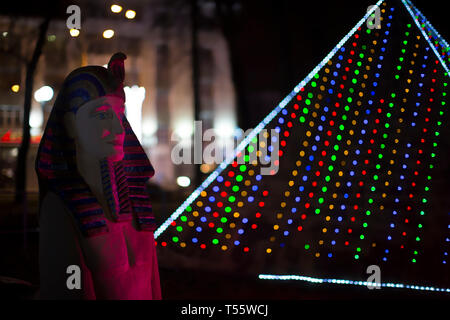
column 124, row 182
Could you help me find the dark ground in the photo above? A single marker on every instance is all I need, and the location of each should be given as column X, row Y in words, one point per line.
column 177, row 284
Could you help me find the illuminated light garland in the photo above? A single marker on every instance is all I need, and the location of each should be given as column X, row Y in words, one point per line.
column 407, row 5
column 384, row 165
column 351, row 282
column 259, row 127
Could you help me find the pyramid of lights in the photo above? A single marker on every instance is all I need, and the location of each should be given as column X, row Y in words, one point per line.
column 360, row 178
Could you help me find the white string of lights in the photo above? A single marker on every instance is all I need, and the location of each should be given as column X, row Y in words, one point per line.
column 260, row 126
column 351, row 282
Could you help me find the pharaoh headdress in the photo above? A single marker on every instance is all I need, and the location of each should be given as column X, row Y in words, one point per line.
column 123, row 181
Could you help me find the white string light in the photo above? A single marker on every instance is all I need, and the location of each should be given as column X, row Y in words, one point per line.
column 350, row 282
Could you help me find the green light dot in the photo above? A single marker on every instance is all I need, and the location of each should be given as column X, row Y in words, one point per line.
column 219, row 230
column 183, row 218
column 250, row 149
column 414, row 260
column 223, row 220
column 324, row 189
column 232, row 199
column 189, row 209
column 307, row 102
column 243, row 168
column 227, row 209
column 415, row 252
column 175, row 239
column 370, row 200
column 317, row 211
column 356, row 256
column 368, row 212
column 375, row 177
column 239, row 178
column 302, row 119
column 179, row 228
column 417, row 238
column 305, row 110
column 365, row 224
column 327, row 178
column 235, row 188
column 361, row 237
column 330, row 168
column 336, row 147
column 313, row 84
column 321, row 200
column 373, row 188
column 306, row 246
column 215, row 241
column 339, row 137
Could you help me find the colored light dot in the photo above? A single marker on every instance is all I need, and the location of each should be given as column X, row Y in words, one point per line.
column 175, row 239
column 215, row 241
column 306, row 246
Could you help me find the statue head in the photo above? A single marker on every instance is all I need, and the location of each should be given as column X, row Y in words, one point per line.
column 88, row 119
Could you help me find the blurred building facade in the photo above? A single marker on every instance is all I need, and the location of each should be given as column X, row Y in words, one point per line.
column 160, row 106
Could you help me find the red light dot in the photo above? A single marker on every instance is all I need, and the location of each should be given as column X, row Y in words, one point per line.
column 303, row 216
column 300, row 228
column 265, row 193
column 203, row 246
column 173, row 223
column 261, row 204
column 231, row 174
column 254, row 226
column 258, row 215
column 211, row 225
column 164, row 243
column 246, row 249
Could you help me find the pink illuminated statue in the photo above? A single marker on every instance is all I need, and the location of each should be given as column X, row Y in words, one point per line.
column 95, row 213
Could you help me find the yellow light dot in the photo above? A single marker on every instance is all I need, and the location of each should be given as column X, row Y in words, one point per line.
column 116, row 8
column 203, row 194
column 251, row 172
column 183, row 244
column 374, row 244
column 287, row 193
column 317, row 255
column 305, row 144
column 199, row 203
column 236, row 215
column 308, row 133
column 130, row 14
column 276, row 227
column 279, row 215
column 108, row 34
column 232, row 225
column 74, row 32
column 228, row 236
column 322, row 88
column 326, row 71
column 334, row 195
column 324, row 230
column 269, row 250
column 327, row 218
column 321, row 242
column 272, row 239
column 302, row 153
column 294, row 173
column 331, row 207
column 240, row 204
column 338, row 184
column 224, row 248
column 262, row 144
column 283, row 204
column 291, row 183
column 386, row 183
column 191, row 223
column 244, row 193
column 247, row 182
column 15, row 88
column 298, row 163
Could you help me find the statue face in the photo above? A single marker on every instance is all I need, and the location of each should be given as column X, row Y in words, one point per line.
column 98, row 128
